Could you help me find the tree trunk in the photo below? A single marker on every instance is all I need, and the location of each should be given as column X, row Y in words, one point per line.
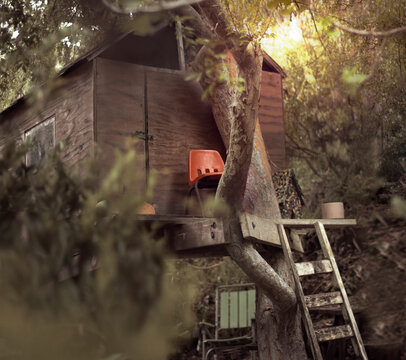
column 246, row 185
column 279, row 331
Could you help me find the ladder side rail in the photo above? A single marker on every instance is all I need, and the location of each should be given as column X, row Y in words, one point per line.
column 328, row 253
column 347, row 320
column 299, row 291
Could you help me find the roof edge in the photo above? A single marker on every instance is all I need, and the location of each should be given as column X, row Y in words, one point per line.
column 272, row 63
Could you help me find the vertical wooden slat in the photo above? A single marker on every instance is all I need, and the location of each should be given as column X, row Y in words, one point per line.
column 271, row 117
column 224, row 309
column 181, row 51
column 233, row 309
column 328, row 252
column 251, row 304
column 242, row 309
column 218, row 313
column 247, row 308
column 299, row 290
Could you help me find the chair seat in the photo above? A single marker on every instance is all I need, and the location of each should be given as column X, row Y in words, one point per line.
column 242, row 340
column 206, row 180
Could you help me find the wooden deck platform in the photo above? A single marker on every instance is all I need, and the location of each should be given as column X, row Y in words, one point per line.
column 192, row 236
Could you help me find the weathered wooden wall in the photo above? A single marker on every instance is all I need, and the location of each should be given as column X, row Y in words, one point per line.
column 72, row 106
column 179, row 121
column 271, row 117
column 110, row 101
column 130, row 98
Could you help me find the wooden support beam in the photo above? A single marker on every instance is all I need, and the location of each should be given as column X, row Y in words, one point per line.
column 259, row 229
column 264, row 231
column 198, row 234
column 190, row 236
column 310, row 223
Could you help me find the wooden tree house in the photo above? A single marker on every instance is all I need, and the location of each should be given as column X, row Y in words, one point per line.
column 135, row 86
column 132, row 86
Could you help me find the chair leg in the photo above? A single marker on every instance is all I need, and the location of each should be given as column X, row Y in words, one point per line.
column 204, row 346
column 187, row 200
column 208, row 353
column 198, row 197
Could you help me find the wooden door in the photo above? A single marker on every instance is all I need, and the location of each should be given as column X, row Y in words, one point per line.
column 120, row 112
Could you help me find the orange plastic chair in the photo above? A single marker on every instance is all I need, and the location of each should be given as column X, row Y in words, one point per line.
column 205, row 170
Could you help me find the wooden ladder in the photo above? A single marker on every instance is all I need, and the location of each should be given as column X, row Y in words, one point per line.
column 310, row 302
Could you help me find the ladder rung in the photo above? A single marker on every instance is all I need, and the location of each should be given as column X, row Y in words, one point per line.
column 333, row 333
column 314, row 267
column 323, row 299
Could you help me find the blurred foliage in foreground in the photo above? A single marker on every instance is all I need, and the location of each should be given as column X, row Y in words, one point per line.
column 80, row 278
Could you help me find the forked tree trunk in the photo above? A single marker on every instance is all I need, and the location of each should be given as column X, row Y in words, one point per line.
column 279, row 329
column 246, row 183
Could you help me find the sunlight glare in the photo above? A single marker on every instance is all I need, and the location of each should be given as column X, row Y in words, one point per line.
column 285, row 37
column 294, row 32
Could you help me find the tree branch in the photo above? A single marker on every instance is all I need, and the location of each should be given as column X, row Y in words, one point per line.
column 380, row 34
column 309, row 152
column 201, row 28
column 262, row 273
column 150, row 8
column 214, row 13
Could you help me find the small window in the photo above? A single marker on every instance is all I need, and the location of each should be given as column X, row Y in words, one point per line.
column 43, row 136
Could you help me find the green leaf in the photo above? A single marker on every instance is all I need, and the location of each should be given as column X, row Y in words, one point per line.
column 273, row 4
column 309, row 76
column 353, row 79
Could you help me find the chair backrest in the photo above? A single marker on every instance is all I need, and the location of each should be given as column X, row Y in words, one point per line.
column 204, row 162
column 235, row 306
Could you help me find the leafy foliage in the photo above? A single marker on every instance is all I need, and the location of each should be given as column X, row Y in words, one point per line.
column 344, row 97
column 81, row 278
column 38, row 38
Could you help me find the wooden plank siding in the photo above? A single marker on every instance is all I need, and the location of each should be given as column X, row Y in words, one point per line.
column 108, row 101
column 179, row 121
column 119, row 107
column 71, row 105
column 271, row 117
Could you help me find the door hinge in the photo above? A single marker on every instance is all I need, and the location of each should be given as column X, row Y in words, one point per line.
column 142, row 135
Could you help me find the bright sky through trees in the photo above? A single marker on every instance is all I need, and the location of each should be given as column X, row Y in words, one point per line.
column 285, row 37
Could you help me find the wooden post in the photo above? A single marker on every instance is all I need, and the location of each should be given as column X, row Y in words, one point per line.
column 181, row 51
